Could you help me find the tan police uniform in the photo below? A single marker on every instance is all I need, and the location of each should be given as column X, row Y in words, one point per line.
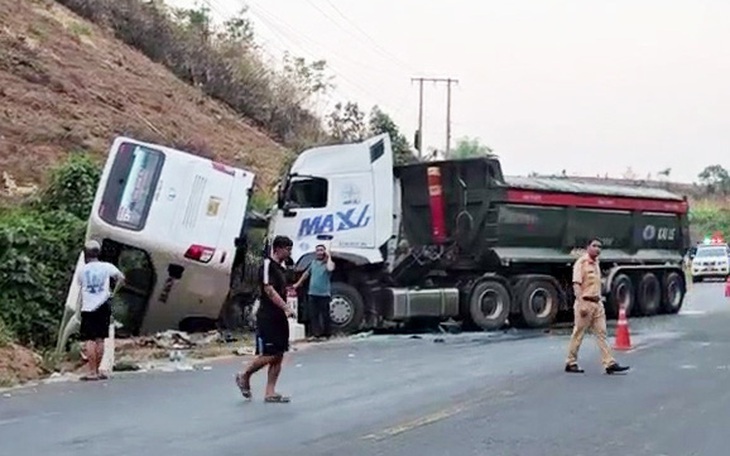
column 588, row 310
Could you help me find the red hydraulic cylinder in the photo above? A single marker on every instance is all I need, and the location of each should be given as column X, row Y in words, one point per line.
column 436, row 201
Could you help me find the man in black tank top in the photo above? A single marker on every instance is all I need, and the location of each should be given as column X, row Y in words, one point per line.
column 272, row 326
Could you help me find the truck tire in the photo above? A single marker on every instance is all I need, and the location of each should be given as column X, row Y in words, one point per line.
column 539, row 302
column 621, row 290
column 649, row 295
column 673, row 291
column 347, row 308
column 489, row 305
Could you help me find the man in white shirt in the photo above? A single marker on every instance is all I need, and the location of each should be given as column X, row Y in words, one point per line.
column 95, row 306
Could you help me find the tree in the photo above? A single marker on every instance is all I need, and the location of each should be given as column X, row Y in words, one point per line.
column 346, row 123
column 197, row 21
column 716, row 179
column 468, row 148
column 306, row 78
column 379, row 123
column 238, row 29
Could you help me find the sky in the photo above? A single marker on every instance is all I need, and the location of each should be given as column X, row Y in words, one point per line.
column 592, row 87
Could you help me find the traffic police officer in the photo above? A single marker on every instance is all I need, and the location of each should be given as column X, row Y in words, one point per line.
column 588, row 310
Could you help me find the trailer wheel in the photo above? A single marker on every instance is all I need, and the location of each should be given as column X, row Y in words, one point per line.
column 649, row 295
column 622, row 293
column 347, row 308
column 673, row 293
column 539, row 302
column 489, row 305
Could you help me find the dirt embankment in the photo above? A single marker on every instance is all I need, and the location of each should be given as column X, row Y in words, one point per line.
column 18, row 365
column 66, row 85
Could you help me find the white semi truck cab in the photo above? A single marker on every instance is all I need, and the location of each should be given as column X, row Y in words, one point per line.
column 347, row 192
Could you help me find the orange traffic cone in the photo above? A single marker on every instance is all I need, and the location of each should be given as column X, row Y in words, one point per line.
column 727, row 287
column 623, row 339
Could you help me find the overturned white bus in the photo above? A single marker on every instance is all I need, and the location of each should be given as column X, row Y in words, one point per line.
column 175, row 224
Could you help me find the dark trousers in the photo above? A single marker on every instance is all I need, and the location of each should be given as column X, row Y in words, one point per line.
column 319, row 317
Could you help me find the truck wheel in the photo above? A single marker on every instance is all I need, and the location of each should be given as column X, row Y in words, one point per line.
column 489, row 305
column 347, row 308
column 539, row 303
column 649, row 295
column 672, row 293
column 622, row 292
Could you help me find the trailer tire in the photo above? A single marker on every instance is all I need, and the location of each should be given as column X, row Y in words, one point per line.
column 673, row 291
column 537, row 291
column 347, row 308
column 621, row 290
column 648, row 295
column 499, row 304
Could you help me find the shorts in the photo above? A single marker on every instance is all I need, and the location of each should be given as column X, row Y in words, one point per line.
column 95, row 324
column 272, row 337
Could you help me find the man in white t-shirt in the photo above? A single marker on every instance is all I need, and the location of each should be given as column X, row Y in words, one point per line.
column 95, row 306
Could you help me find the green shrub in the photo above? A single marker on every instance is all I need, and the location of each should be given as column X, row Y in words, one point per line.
column 72, row 186
column 39, row 245
column 35, row 270
column 6, row 336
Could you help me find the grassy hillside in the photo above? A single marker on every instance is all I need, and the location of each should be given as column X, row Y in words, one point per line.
column 67, row 84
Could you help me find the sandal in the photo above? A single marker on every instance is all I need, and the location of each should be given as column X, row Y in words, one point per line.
column 245, row 392
column 103, row 377
column 277, row 398
column 89, row 378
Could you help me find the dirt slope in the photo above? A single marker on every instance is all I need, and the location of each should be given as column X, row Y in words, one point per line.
column 66, row 85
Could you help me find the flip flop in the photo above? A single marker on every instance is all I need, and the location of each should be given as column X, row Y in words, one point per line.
column 89, row 378
column 278, row 399
column 245, row 392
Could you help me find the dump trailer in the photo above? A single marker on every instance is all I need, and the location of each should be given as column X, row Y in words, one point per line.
column 456, row 239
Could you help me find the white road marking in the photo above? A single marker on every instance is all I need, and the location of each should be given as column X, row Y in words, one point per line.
column 692, row 312
column 414, row 424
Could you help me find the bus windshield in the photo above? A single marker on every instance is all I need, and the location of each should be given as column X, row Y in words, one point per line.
column 131, row 186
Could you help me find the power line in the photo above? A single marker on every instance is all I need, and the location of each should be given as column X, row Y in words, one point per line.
column 382, row 50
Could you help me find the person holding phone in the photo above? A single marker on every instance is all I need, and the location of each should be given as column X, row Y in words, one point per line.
column 319, row 273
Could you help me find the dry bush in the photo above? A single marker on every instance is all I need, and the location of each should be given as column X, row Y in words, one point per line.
column 226, row 65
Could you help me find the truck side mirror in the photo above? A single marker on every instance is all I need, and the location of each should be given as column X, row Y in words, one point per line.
column 287, row 209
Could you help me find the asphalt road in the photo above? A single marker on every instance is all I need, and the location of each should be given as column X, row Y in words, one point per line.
column 480, row 394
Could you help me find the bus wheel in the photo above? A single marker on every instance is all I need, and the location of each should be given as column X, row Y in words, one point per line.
column 539, row 302
column 489, row 305
column 347, row 308
column 622, row 294
column 672, row 293
column 649, row 295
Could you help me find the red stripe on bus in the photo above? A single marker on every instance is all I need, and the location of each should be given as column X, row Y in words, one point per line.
column 595, row 201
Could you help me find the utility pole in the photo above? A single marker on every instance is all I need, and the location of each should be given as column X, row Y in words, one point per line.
column 419, row 133
column 419, row 138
